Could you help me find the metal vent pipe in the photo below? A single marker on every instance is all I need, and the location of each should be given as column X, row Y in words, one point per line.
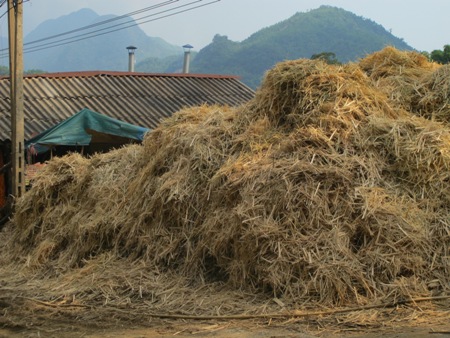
column 187, row 58
column 131, row 58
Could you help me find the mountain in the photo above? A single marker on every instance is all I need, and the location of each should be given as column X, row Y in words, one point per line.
column 105, row 51
column 325, row 29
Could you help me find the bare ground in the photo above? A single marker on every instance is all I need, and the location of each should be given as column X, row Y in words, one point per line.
column 22, row 317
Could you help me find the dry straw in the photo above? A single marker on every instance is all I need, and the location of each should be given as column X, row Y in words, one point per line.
column 325, row 189
column 399, row 74
column 434, row 100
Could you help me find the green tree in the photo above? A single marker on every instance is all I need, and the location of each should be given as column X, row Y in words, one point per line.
column 328, row 57
column 441, row 56
column 426, row 54
column 4, row 71
column 34, row 71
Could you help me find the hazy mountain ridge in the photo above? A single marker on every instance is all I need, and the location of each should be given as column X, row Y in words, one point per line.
column 325, row 29
column 105, row 51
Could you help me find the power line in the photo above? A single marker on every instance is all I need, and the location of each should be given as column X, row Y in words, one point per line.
column 103, row 22
column 6, row 12
column 110, row 29
column 98, row 23
column 106, row 30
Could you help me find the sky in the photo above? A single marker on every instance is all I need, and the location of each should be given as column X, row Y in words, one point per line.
column 421, row 24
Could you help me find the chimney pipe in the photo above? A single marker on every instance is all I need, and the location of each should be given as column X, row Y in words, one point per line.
column 131, row 58
column 187, row 58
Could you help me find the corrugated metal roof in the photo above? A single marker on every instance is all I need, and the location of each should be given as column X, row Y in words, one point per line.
column 138, row 98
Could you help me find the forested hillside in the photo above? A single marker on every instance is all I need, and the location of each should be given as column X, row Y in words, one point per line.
column 326, row 29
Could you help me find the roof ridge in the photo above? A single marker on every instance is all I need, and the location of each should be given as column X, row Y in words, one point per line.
column 95, row 73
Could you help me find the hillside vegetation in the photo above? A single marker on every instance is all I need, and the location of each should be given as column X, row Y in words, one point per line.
column 326, row 29
column 323, row 30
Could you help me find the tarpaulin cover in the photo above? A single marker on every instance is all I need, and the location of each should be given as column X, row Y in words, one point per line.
column 79, row 129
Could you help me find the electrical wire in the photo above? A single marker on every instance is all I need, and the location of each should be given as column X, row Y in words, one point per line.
column 6, row 12
column 103, row 22
column 110, row 29
column 98, row 23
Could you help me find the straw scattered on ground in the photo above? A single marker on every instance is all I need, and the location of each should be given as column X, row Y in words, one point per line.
column 330, row 188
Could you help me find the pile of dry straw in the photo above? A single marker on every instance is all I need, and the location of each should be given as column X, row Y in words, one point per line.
column 331, row 187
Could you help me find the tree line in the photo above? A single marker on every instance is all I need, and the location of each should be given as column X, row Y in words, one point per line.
column 4, row 71
column 440, row 56
column 437, row 55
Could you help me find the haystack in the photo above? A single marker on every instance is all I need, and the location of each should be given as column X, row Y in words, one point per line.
column 434, row 100
column 399, row 74
column 321, row 190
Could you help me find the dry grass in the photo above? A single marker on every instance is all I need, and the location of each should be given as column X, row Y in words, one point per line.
column 434, row 101
column 322, row 191
column 399, row 74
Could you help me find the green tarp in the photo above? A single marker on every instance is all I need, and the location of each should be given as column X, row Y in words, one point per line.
column 84, row 128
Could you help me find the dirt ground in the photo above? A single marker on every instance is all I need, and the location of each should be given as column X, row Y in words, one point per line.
column 19, row 319
column 219, row 330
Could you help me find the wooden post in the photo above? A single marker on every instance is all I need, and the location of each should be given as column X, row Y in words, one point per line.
column 15, row 26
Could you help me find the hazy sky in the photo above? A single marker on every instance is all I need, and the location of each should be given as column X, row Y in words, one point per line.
column 424, row 25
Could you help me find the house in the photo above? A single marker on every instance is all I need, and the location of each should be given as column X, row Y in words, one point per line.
column 140, row 99
column 137, row 98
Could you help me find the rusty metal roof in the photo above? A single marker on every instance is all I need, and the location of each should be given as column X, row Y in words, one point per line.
column 138, row 98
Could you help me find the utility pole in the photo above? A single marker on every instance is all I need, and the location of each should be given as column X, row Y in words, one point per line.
column 15, row 35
